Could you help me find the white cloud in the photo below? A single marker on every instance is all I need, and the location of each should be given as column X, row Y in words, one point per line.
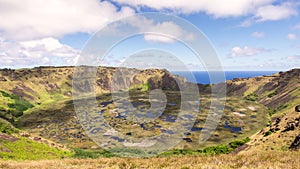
column 246, row 51
column 153, row 30
column 276, row 12
column 29, row 53
column 272, row 12
column 291, row 36
column 165, row 28
column 215, row 8
column 158, row 38
column 258, row 34
column 255, row 10
column 27, row 19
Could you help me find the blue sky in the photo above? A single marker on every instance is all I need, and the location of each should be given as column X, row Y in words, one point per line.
column 246, row 34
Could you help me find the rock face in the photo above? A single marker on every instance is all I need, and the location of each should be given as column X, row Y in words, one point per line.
column 297, row 108
column 277, row 92
column 296, row 143
column 292, row 125
column 273, row 91
column 30, row 83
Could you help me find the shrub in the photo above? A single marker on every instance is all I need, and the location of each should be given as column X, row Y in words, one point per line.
column 252, row 97
column 272, row 94
column 268, row 133
column 7, row 128
column 80, row 153
column 18, row 106
column 211, row 150
column 271, row 111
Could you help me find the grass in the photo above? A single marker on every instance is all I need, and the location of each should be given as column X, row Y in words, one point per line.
column 140, row 87
column 7, row 128
column 278, row 109
column 272, row 94
column 92, row 154
column 17, row 105
column 26, row 149
column 211, row 150
column 254, row 159
column 252, row 97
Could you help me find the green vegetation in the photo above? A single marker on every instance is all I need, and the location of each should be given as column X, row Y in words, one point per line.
column 268, row 133
column 7, row 128
column 278, row 109
column 272, row 94
column 281, row 107
column 252, row 97
column 271, row 112
column 211, row 150
column 25, row 149
column 93, row 154
column 140, row 87
column 16, row 107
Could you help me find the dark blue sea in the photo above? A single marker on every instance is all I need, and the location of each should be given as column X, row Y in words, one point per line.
column 203, row 76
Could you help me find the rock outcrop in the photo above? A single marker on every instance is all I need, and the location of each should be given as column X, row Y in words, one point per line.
column 297, row 108
column 296, row 144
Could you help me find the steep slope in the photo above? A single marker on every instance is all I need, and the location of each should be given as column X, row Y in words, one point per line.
column 281, row 94
column 15, row 144
column 24, row 89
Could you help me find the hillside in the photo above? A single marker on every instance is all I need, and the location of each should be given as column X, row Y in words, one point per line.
column 24, row 89
column 39, row 102
column 280, row 93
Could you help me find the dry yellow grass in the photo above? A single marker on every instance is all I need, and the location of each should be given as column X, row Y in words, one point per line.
column 267, row 159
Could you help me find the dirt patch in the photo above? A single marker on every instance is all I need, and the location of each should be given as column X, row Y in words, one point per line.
column 8, row 137
column 20, row 92
column 241, row 148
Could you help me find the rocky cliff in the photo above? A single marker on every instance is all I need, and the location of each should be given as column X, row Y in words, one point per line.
column 280, row 93
column 41, row 85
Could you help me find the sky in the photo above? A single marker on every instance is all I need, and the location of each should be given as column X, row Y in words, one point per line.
column 246, row 34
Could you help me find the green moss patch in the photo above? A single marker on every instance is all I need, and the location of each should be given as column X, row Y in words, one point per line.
column 25, row 149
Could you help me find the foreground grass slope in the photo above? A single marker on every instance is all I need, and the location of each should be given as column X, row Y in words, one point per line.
column 17, row 146
column 257, row 160
column 20, row 148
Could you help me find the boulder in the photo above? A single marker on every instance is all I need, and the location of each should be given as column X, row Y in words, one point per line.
column 296, row 143
column 297, row 108
column 188, row 139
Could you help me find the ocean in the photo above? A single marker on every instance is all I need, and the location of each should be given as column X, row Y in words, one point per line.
column 203, row 77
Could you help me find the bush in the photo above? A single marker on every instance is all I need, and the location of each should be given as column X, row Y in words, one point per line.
column 279, row 108
column 268, row 133
column 271, row 111
column 220, row 149
column 18, row 106
column 7, row 128
column 238, row 143
column 212, row 150
column 272, row 94
column 79, row 153
column 252, row 97
column 17, row 113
